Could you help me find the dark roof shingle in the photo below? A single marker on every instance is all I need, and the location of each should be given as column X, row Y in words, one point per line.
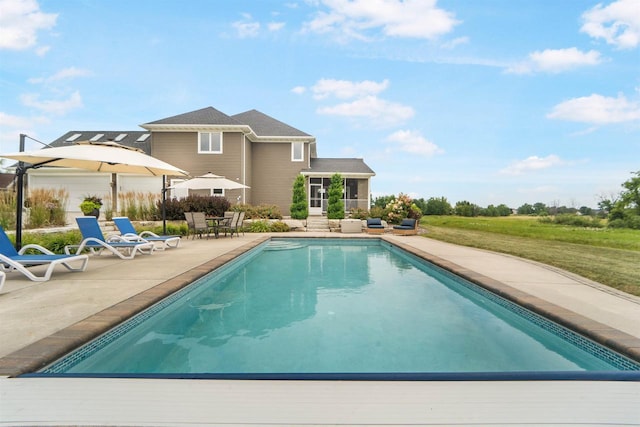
column 204, row 116
column 339, row 165
column 264, row 125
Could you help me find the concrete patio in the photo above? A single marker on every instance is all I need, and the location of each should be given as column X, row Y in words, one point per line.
column 37, row 318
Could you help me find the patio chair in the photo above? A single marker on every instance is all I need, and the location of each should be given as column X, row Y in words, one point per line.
column 232, row 227
column 128, row 231
column 374, row 226
column 12, row 260
column 188, row 216
column 200, row 224
column 228, row 215
column 94, row 241
column 408, row 227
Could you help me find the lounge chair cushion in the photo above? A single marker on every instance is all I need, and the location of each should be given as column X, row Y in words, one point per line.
column 374, row 223
column 406, row 224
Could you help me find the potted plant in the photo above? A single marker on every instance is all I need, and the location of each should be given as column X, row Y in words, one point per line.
column 91, row 206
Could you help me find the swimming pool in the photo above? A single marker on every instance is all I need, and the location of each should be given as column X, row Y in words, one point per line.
column 335, row 306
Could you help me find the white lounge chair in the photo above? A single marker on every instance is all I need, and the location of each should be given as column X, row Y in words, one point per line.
column 128, row 232
column 94, row 241
column 12, row 260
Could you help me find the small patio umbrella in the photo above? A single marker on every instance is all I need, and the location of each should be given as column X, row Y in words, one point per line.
column 94, row 156
column 209, row 181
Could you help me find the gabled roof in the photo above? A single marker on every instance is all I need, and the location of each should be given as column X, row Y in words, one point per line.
column 130, row 138
column 255, row 125
column 329, row 166
column 204, row 116
column 266, row 126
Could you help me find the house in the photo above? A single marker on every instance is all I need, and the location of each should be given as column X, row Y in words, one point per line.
column 250, row 148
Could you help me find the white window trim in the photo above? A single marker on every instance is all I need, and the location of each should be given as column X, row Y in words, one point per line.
column 293, row 145
column 200, row 151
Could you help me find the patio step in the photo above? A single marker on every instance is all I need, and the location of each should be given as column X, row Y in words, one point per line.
column 278, row 245
column 317, row 223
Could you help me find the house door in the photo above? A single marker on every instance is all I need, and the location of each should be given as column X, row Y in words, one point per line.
column 316, row 195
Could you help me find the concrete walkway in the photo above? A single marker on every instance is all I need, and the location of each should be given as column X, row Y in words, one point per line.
column 30, row 312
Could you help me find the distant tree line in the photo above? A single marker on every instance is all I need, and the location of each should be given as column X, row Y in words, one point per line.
column 441, row 206
column 621, row 211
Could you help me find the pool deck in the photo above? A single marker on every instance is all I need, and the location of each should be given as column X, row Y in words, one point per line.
column 41, row 320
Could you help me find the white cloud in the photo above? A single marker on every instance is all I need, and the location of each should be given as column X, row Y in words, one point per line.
column 353, row 19
column 555, row 61
column 381, row 112
column 20, row 22
column 9, row 120
column 533, row 163
column 414, row 143
column 597, row 109
column 246, row 28
column 12, row 126
column 299, row 90
column 66, row 73
column 42, row 50
column 344, row 89
column 451, row 44
column 53, row 107
column 275, row 26
column 618, row 23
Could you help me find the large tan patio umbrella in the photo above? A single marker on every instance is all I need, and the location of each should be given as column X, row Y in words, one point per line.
column 94, row 156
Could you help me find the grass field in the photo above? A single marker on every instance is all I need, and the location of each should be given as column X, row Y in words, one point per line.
column 607, row 256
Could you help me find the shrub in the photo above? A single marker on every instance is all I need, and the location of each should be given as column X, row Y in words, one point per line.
column 259, row 212
column 299, row 209
column 378, row 212
column 7, row 209
column 259, row 226
column 359, row 213
column 617, row 223
column 630, row 221
column 572, row 220
column 173, row 209
column 211, row 206
column 279, row 227
column 335, row 204
column 414, row 212
column 55, row 242
column 398, row 208
column 47, row 207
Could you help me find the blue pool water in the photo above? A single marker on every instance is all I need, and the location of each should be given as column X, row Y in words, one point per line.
column 330, row 305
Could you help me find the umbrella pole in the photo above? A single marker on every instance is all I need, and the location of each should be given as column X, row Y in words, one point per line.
column 164, row 204
column 20, row 171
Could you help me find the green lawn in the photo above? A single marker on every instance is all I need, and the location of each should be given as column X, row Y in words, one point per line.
column 608, row 256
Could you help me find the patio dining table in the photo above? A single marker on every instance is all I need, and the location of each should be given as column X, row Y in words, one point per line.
column 215, row 221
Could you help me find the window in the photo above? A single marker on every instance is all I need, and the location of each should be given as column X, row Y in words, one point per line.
column 120, row 137
column 217, row 192
column 143, row 137
column 97, row 137
column 297, row 151
column 210, row 142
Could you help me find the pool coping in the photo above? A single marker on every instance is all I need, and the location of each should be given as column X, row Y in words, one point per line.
column 612, row 338
column 46, row 350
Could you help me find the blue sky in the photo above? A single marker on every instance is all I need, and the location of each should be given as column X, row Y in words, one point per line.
column 490, row 101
